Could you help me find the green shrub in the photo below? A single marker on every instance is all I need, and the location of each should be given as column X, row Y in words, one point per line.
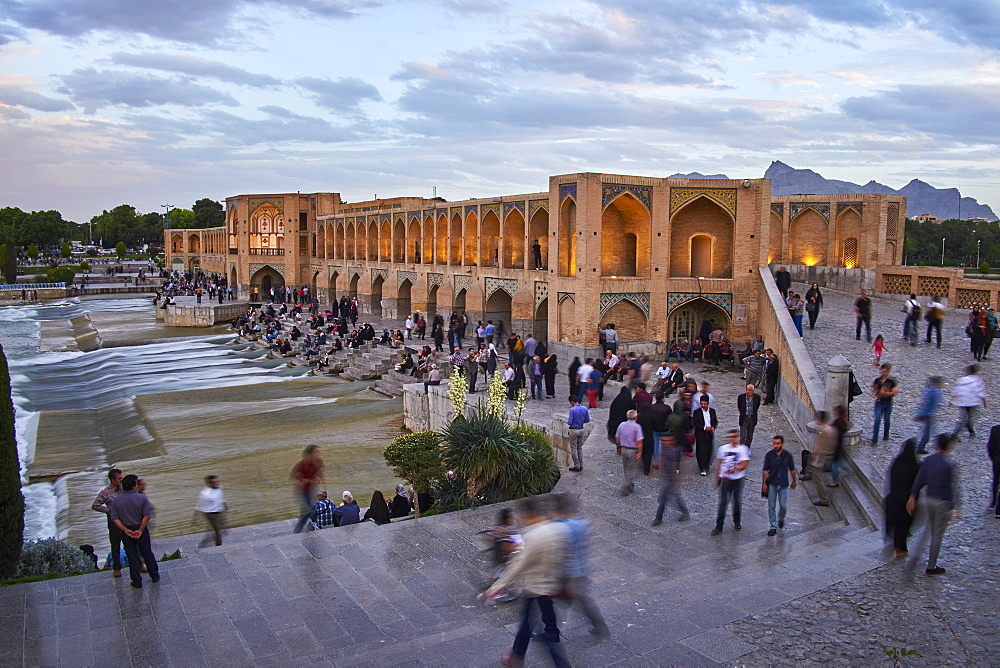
column 452, row 493
column 84, row 266
column 61, row 274
column 498, row 462
column 51, row 557
column 416, row 458
column 984, row 267
column 11, row 501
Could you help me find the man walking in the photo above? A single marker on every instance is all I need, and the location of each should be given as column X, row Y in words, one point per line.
column 884, row 390
column 863, row 316
column 537, row 568
column 930, row 402
column 730, row 474
column 779, row 465
column 628, row 446
column 968, row 395
column 212, row 504
column 937, row 475
column 102, row 504
column 307, row 474
column 772, row 373
column 783, row 280
column 130, row 511
column 576, row 569
column 911, row 306
column 705, row 421
column 670, row 471
column 577, row 421
column 755, row 364
column 935, row 317
column 749, row 406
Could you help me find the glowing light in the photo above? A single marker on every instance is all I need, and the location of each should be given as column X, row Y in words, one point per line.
column 850, row 264
column 809, row 261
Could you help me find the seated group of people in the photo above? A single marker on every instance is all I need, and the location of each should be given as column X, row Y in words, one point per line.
column 326, row 513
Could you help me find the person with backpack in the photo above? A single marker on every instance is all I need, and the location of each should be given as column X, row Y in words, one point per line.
column 934, row 318
column 912, row 309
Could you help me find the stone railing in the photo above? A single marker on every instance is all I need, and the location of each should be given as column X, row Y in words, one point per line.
column 946, row 282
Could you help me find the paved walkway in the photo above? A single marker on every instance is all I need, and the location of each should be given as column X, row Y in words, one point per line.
column 822, row 591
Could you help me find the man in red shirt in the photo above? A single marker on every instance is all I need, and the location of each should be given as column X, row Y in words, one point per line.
column 307, row 473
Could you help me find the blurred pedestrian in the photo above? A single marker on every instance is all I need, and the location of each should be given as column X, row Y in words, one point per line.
column 823, row 450
column 537, row 568
column 968, row 394
column 670, row 470
column 779, row 467
column 307, row 474
column 934, row 317
column 993, row 450
column 576, row 569
column 212, row 504
column 902, row 474
column 930, row 402
column 814, row 302
column 938, row 482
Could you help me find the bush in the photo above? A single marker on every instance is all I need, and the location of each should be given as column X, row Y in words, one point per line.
column 984, row 267
column 416, row 458
column 497, row 461
column 11, row 501
column 84, row 266
column 61, row 274
column 51, row 557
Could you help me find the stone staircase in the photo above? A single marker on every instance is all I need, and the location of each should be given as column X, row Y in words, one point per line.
column 391, row 384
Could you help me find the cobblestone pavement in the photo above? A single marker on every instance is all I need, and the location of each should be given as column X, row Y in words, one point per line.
column 948, row 620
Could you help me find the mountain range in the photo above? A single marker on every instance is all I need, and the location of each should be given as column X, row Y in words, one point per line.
column 921, row 197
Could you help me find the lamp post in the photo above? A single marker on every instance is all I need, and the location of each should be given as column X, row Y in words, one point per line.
column 942, row 250
column 166, row 220
column 978, row 241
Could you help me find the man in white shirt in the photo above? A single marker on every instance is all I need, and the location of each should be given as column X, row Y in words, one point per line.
column 583, row 377
column 908, row 307
column 730, row 474
column 703, row 388
column 212, row 504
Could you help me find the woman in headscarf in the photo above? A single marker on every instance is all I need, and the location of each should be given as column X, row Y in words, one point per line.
column 574, row 387
column 400, row 506
column 549, row 368
column 814, row 302
column 618, row 412
column 378, row 510
column 646, row 421
column 902, row 473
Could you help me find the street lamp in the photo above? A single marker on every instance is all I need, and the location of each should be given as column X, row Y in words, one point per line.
column 166, row 222
column 978, row 241
column 942, row 250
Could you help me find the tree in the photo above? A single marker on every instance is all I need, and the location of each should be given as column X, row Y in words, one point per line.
column 181, row 219
column 32, row 253
column 416, row 458
column 62, row 274
column 8, row 263
column 120, row 250
column 43, row 228
column 11, row 501
column 208, row 213
column 66, row 250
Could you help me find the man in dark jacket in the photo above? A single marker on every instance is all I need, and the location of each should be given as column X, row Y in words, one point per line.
column 772, row 372
column 749, row 406
column 784, row 281
column 705, row 421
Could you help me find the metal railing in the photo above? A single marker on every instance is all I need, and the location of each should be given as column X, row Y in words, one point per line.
column 267, row 251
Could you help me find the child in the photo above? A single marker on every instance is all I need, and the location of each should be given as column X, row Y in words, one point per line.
column 878, row 345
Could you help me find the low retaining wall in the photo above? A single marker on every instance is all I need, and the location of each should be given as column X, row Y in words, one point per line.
column 945, row 282
column 201, row 315
column 837, row 278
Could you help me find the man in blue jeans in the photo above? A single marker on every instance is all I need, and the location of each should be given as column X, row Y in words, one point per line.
column 778, row 466
column 930, row 402
column 730, row 474
column 884, row 389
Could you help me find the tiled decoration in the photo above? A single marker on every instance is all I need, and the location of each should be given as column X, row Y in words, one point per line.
column 567, row 190
column 511, row 206
column 723, row 300
column 536, row 204
column 640, row 299
column 400, row 218
column 541, row 292
column 967, row 297
column 560, row 296
column 455, row 210
column 462, row 282
column 609, row 191
column 335, row 269
column 257, row 266
column 858, row 207
column 724, row 197
column 472, row 208
column 435, row 279
column 822, row 208
column 508, row 285
column 933, row 285
column 354, row 271
column 384, row 273
column 778, row 209
column 892, row 222
column 277, row 202
column 897, row 284
column 495, row 208
column 405, row 275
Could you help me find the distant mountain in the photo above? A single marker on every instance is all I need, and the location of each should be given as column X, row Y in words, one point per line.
column 921, row 197
column 696, row 175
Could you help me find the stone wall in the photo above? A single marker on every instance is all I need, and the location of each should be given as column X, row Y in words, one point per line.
column 202, row 315
column 800, row 390
column 946, row 282
column 836, row 278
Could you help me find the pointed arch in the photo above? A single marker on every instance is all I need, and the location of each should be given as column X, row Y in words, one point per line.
column 567, row 238
column 538, row 230
column 371, row 254
column 427, row 246
column 684, row 320
column 455, row 256
column 629, row 320
column 807, row 238
column 399, row 242
column 376, row 295
column 404, row 302
column 848, row 227
column 441, row 235
column 471, row 258
column 385, row 242
column 320, row 238
column 513, row 240
column 194, row 243
column 489, row 240
column 625, row 227
column 702, row 217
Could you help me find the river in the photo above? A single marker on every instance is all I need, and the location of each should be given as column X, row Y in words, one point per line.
column 173, row 411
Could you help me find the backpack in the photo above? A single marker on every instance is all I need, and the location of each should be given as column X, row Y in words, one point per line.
column 915, row 313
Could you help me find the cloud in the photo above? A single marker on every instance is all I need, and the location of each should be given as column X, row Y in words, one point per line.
column 19, row 97
column 960, row 114
column 278, row 126
column 472, row 7
column 343, row 95
column 789, row 79
column 195, row 66
column 93, row 89
column 188, row 21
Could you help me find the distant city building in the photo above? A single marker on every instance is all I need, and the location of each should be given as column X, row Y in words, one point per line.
column 926, row 218
column 654, row 256
column 977, row 219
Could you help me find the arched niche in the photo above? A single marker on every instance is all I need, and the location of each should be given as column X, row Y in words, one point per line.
column 441, row 240
column 455, row 247
column 471, row 258
column 513, row 240
column 489, row 240
column 629, row 320
column 263, row 280
column 498, row 307
column 848, row 227
column 376, row 296
column 399, row 242
column 625, row 228
column 684, row 322
column 567, row 238
column 702, row 217
column 538, row 230
column 404, row 304
column 807, row 238
column 701, row 255
column 427, row 246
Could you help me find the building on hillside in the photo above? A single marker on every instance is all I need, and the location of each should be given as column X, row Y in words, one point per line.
column 926, row 218
column 654, row 256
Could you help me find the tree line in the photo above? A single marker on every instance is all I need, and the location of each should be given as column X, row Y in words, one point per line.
column 923, row 242
column 48, row 230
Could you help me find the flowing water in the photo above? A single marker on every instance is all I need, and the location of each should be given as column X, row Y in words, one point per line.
column 172, row 408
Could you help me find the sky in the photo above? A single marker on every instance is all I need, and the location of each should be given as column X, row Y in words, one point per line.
column 105, row 102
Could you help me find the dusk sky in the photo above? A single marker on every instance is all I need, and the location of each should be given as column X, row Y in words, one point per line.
column 104, row 102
